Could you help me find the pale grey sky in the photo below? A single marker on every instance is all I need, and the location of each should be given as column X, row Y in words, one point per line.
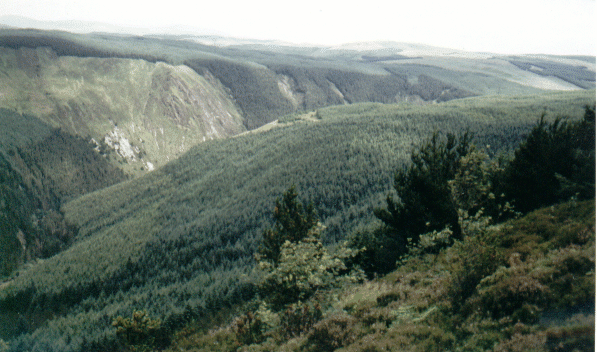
column 565, row 27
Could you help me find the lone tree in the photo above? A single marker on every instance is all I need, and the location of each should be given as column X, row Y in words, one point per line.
column 293, row 222
column 294, row 262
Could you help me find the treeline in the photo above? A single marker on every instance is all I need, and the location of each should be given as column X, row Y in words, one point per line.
column 176, row 242
column 62, row 45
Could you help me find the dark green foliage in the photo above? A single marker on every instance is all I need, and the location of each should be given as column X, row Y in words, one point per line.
column 252, row 328
column 317, row 87
column 249, row 329
column 40, row 169
column 298, row 318
column 431, row 89
column 16, row 204
column 66, row 44
column 292, row 223
column 554, row 163
column 255, row 89
column 68, row 166
column 140, row 332
column 577, row 75
column 425, row 202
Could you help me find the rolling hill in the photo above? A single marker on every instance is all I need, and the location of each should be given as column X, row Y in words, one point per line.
column 138, row 172
column 178, row 242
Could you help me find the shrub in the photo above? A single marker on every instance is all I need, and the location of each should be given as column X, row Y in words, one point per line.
column 409, row 336
column 477, row 257
column 336, row 331
column 303, row 269
column 3, row 346
column 512, row 291
column 523, row 343
column 301, row 265
column 252, row 328
column 298, row 318
column 570, row 274
column 140, row 332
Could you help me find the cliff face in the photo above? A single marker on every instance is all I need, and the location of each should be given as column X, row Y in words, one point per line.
column 148, row 113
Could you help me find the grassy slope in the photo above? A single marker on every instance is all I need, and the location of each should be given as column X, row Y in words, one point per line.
column 532, row 287
column 161, row 110
column 178, row 240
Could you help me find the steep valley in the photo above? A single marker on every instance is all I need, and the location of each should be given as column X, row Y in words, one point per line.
column 178, row 242
column 121, row 188
column 148, row 113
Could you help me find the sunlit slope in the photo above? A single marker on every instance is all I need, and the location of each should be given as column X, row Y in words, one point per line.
column 149, row 113
column 179, row 240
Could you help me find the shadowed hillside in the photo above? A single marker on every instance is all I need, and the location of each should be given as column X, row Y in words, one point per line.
column 41, row 169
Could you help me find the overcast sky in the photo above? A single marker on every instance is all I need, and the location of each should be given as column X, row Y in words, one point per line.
column 504, row 26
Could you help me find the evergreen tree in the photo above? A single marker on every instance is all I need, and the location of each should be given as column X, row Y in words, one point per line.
column 425, row 198
column 554, row 163
column 425, row 202
column 293, row 222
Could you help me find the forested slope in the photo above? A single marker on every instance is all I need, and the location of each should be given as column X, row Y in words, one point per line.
column 41, row 168
column 179, row 241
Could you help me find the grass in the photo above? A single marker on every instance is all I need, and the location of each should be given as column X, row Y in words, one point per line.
column 516, row 306
column 162, row 110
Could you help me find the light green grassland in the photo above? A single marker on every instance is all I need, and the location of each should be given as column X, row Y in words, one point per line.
column 160, row 109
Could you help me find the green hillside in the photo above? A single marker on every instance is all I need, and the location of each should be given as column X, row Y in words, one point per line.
column 42, row 167
column 179, row 241
column 525, row 285
column 267, row 80
column 148, row 113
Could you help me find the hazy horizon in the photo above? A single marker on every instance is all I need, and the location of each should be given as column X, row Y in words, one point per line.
column 553, row 27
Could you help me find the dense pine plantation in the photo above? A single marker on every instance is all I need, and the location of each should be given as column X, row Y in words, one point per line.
column 179, row 242
column 40, row 169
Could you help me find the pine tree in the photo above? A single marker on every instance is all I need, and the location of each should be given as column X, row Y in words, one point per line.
column 554, row 163
column 293, row 222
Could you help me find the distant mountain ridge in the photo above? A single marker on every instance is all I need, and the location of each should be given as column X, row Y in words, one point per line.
column 92, row 26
